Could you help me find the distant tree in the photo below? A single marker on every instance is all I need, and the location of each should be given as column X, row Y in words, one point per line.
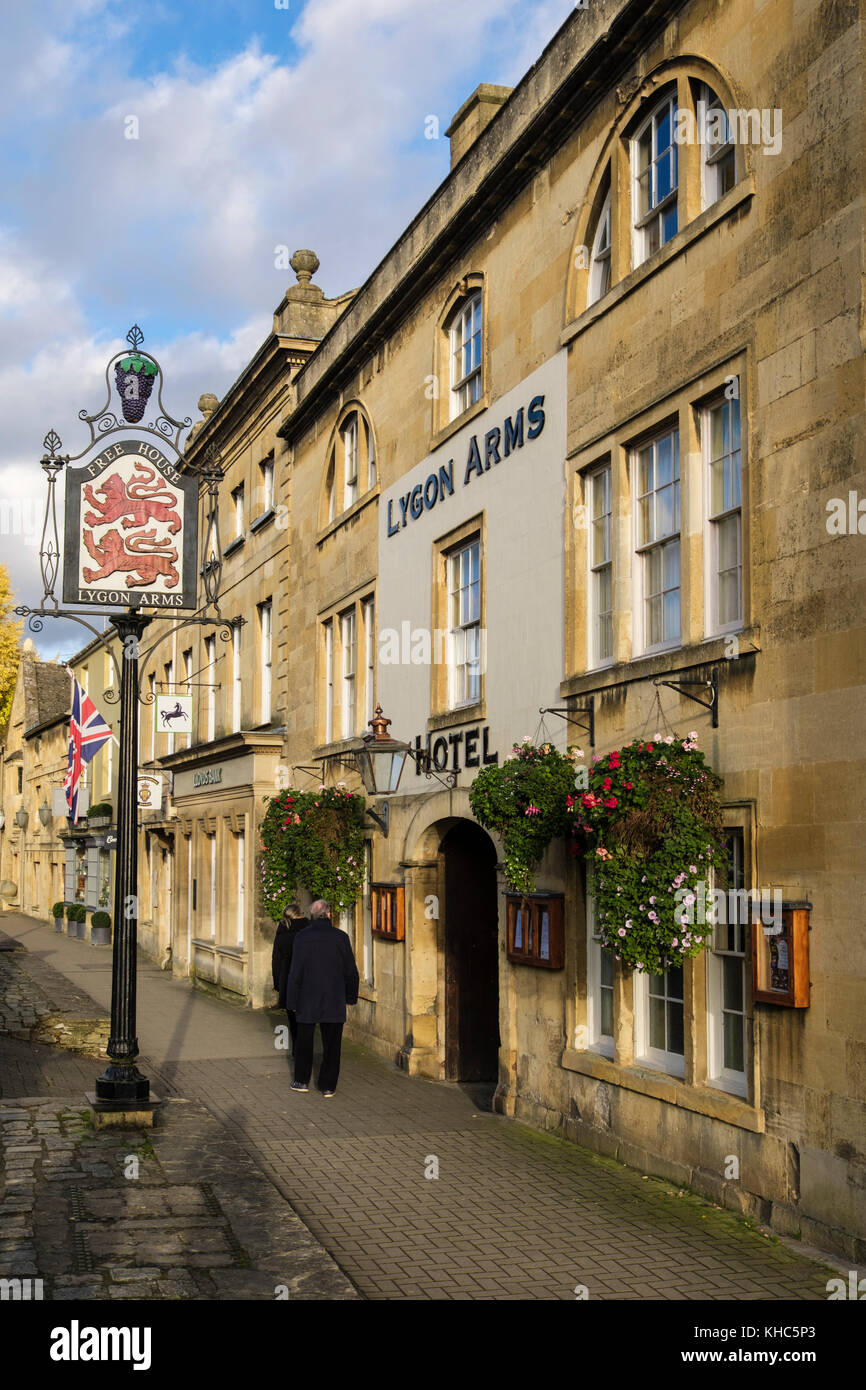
column 10, row 647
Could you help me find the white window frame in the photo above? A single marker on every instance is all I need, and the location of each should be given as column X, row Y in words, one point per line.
column 464, row 628
column 238, row 501
column 714, row 157
column 371, row 455
column 597, row 1041
column 714, row 520
column 368, row 609
column 644, row 549
column 168, row 673
column 349, row 671
column 729, row 942
column 600, row 257
column 237, row 677
column 642, row 224
column 267, row 468
column 466, row 354
column 213, row 879
column 210, row 708
column 597, row 566
column 349, row 438
column 673, row 1063
column 332, row 491
column 329, row 680
column 266, row 643
column 187, row 664
column 241, row 884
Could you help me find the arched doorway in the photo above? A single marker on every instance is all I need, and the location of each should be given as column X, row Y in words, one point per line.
column 471, row 955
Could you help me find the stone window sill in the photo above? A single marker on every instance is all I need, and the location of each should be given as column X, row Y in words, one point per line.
column 453, row 718
column 711, row 217
column 702, row 1100
column 349, row 514
column 713, row 651
column 459, row 423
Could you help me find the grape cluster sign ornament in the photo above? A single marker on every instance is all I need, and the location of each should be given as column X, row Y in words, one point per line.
column 130, row 545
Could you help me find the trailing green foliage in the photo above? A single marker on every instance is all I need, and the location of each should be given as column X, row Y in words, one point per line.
column 312, row 841
column 525, row 802
column 650, row 826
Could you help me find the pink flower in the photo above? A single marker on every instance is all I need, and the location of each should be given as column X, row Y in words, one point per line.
column 621, row 931
column 603, row 853
column 532, row 811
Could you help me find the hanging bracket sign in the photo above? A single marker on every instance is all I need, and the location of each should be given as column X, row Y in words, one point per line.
column 131, row 530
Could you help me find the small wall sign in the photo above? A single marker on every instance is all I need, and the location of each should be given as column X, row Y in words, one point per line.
column 149, row 792
column 780, row 959
column 173, row 714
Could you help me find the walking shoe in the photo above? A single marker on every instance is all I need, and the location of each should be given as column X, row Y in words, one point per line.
column 328, row 1094
column 299, row 1086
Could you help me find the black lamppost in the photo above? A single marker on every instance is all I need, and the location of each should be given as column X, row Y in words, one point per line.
column 146, row 534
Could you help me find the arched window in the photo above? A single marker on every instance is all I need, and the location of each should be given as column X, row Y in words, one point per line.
column 599, row 265
column 351, row 468
column 655, row 179
column 465, row 355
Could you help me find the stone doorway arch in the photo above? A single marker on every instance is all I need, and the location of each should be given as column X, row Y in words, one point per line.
column 453, row 960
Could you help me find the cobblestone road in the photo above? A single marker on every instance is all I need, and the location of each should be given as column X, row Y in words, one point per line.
column 513, row 1214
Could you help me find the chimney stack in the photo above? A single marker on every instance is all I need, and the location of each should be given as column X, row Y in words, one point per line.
column 474, row 115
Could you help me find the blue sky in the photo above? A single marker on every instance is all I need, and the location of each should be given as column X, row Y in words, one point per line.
column 257, row 127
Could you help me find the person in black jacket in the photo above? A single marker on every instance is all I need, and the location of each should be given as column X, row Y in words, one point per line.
column 281, row 961
column 323, row 979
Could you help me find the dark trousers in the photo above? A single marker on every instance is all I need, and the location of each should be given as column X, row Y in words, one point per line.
column 293, row 1029
column 332, row 1037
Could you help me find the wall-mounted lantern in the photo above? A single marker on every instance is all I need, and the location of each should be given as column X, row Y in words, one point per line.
column 380, row 761
column 45, row 814
column 2, row 819
column 21, row 818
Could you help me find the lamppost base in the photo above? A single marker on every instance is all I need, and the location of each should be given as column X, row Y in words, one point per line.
column 122, row 1114
column 122, row 1082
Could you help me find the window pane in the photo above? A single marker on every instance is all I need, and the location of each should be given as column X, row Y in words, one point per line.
column 606, row 1020
column 733, row 983
column 671, row 553
column 671, row 616
column 657, row 1023
column 544, row 942
column 664, row 461
column 675, row 1028
column 669, row 223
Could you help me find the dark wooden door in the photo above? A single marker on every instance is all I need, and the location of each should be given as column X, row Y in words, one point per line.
column 471, row 955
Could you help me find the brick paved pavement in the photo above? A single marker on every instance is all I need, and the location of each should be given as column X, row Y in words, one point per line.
column 514, row 1214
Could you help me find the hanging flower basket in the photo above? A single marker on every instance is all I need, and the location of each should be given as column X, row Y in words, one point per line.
column 135, row 375
column 312, row 841
column 525, row 802
column 650, row 825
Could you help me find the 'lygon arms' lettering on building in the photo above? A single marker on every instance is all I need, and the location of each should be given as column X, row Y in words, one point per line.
column 498, row 444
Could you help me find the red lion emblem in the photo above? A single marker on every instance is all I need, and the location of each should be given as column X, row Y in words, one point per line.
column 136, row 503
column 145, row 559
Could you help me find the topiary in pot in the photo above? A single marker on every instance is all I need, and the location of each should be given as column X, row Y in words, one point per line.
column 57, row 913
column 100, row 929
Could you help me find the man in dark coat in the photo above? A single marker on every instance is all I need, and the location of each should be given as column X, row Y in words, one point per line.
column 281, row 960
column 323, row 979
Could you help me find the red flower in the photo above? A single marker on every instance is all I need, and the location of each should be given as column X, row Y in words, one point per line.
column 611, row 802
column 649, row 748
column 607, row 784
column 629, row 786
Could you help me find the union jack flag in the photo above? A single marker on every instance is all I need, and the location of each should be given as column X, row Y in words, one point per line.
column 88, row 732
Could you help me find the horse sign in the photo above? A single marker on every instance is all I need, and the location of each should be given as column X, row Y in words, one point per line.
column 131, row 530
column 173, row 714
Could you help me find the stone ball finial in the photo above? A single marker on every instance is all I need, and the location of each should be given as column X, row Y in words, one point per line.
column 28, row 646
column 304, row 264
column 208, row 403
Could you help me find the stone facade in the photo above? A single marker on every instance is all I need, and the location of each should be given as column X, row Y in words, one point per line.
column 712, row 331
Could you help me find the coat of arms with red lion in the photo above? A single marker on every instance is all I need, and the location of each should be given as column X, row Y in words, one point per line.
column 132, row 503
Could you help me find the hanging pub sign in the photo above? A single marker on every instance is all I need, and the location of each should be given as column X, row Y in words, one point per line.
column 173, row 714
column 131, row 529
column 149, row 792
